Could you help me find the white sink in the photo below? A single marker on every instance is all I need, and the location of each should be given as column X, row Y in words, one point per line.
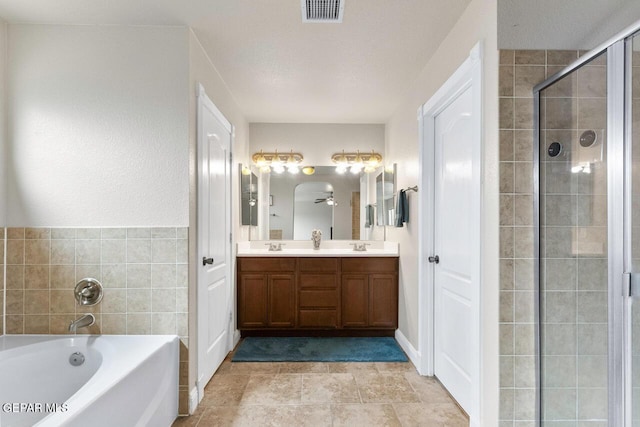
column 297, row 248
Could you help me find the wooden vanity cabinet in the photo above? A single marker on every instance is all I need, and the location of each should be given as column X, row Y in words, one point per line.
column 266, row 293
column 317, row 295
column 370, row 293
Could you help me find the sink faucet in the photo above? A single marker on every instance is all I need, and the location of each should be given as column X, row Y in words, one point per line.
column 274, row 246
column 81, row 322
column 360, row 247
column 316, row 236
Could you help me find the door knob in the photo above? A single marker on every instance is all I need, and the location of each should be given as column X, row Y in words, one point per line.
column 206, row 260
column 435, row 259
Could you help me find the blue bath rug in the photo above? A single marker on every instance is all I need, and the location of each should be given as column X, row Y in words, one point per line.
column 307, row 349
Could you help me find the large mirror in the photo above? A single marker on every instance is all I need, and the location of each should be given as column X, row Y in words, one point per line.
column 385, row 192
column 344, row 206
column 248, row 196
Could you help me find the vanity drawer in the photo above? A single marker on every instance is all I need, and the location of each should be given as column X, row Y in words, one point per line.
column 318, row 319
column 318, row 298
column 370, row 265
column 321, row 265
column 307, row 280
column 261, row 265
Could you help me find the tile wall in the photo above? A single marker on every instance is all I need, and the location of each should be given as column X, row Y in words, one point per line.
column 519, row 72
column 143, row 271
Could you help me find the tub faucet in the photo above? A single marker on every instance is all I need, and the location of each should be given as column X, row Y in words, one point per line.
column 81, row 322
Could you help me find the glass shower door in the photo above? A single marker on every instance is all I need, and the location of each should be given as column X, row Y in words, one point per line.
column 573, row 248
column 633, row 245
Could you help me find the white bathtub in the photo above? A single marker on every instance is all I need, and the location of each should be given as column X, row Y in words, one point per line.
column 124, row 380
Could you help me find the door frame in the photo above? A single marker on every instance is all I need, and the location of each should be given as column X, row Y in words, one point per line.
column 203, row 101
column 468, row 75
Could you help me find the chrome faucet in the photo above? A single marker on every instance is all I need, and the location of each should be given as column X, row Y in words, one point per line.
column 360, row 247
column 81, row 322
column 274, row 246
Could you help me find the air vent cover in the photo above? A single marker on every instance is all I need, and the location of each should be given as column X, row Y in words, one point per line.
column 322, row 10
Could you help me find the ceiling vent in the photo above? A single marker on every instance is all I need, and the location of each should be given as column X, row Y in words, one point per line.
column 322, row 10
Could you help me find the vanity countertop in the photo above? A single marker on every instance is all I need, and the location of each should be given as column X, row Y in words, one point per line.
column 298, row 248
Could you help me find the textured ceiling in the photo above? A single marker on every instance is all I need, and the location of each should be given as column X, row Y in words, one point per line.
column 562, row 24
column 277, row 68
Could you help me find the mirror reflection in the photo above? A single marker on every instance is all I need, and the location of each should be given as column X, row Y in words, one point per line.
column 344, row 206
column 248, row 197
column 385, row 192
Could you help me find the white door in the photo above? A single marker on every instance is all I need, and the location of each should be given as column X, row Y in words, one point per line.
column 453, row 278
column 214, row 246
column 451, row 139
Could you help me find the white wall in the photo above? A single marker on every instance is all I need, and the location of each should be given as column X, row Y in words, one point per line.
column 97, row 126
column 477, row 23
column 316, row 142
column 3, row 125
column 203, row 71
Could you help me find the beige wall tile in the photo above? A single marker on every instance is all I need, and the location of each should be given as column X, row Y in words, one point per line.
column 506, row 145
column 530, row 57
column 163, row 233
column 15, row 252
column 15, row 233
column 37, row 251
column 163, row 323
column 114, row 324
column 163, row 250
column 15, row 301
column 506, row 80
column 507, row 177
column 114, row 301
column 36, row 302
column 114, row 275
column 63, row 251
column 88, row 251
column 163, row 275
column 63, row 233
column 526, row 77
column 88, row 271
column 62, row 302
column 62, row 276
column 138, row 233
column 114, row 233
column 138, row 250
column 138, row 275
column 164, row 300
column 15, row 324
column 506, row 113
column 138, row 300
column 523, row 113
column 36, row 277
column 37, row 233
column 139, row 324
column 114, row 251
column 561, row 57
column 15, row 276
column 38, row 324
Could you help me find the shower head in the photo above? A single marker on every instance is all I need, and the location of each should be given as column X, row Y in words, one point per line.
column 555, row 148
column 588, row 138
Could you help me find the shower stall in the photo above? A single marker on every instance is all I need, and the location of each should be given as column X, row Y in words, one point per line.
column 587, row 197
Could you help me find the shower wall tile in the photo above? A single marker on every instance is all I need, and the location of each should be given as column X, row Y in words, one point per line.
column 519, row 72
column 143, row 270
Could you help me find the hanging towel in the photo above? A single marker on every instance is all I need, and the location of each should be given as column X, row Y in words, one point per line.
column 402, row 209
column 369, row 215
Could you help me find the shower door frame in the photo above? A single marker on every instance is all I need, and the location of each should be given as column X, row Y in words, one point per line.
column 618, row 220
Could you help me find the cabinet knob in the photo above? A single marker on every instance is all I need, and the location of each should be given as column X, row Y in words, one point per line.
column 206, row 260
column 435, row 259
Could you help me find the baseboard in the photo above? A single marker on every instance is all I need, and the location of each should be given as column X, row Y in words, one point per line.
column 235, row 338
column 193, row 400
column 414, row 355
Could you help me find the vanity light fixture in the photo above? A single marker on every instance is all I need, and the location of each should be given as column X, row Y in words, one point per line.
column 277, row 162
column 356, row 162
column 308, row 170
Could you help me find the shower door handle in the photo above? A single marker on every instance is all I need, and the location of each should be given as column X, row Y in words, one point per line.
column 631, row 285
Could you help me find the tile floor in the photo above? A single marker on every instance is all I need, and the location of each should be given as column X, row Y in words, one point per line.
column 323, row 394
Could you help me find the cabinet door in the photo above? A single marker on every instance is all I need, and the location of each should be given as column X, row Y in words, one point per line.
column 252, row 301
column 355, row 300
column 383, row 301
column 281, row 300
